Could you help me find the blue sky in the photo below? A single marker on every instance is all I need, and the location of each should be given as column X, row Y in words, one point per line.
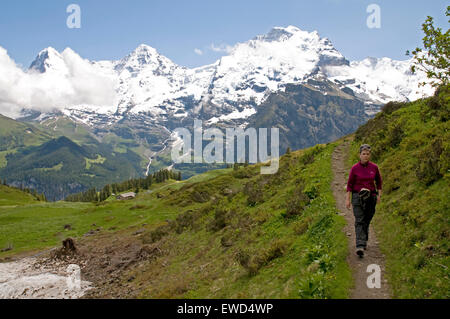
column 111, row 29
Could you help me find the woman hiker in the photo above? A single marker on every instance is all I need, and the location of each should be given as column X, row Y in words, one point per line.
column 364, row 195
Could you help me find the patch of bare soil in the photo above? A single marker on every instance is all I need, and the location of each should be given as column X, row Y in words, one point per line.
column 105, row 259
column 102, row 260
column 372, row 256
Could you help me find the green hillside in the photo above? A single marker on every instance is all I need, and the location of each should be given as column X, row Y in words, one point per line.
column 61, row 167
column 29, row 225
column 247, row 235
column 235, row 233
column 411, row 145
column 268, row 235
column 15, row 135
column 64, row 126
column 14, row 197
column 117, row 154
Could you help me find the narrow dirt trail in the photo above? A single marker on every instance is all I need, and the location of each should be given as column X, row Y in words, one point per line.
column 373, row 254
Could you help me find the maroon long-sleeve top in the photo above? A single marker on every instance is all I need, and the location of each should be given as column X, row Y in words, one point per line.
column 364, row 176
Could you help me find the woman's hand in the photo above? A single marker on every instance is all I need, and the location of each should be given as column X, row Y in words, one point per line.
column 347, row 203
column 378, row 199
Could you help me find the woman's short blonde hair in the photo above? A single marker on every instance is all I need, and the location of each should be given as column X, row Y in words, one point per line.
column 364, row 147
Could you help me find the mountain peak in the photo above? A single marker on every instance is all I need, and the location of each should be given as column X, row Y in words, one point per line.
column 276, row 34
column 58, row 143
column 281, row 34
column 145, row 56
column 144, row 49
column 48, row 58
column 142, row 55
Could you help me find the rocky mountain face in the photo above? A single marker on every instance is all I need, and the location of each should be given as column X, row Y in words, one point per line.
column 307, row 116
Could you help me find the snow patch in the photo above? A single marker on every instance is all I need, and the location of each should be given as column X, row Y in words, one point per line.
column 26, row 279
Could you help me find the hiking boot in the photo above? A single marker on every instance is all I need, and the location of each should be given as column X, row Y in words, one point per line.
column 360, row 252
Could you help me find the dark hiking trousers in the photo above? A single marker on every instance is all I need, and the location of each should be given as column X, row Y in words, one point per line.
column 363, row 218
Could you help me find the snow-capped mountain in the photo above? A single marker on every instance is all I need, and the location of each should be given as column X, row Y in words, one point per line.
column 148, row 80
column 266, row 63
column 61, row 81
column 288, row 79
column 151, row 85
column 49, row 60
column 379, row 80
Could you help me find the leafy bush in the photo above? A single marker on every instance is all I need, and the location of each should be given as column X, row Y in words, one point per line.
column 200, row 196
column 296, row 203
column 313, row 286
column 243, row 258
column 392, row 106
column 308, row 156
column 316, row 283
column 254, row 192
column 429, row 165
column 321, row 226
column 184, row 221
column 221, row 218
column 438, row 105
column 312, row 191
column 242, row 172
column 255, row 262
column 373, row 130
column 302, row 226
column 157, row 234
column 395, row 135
column 226, row 240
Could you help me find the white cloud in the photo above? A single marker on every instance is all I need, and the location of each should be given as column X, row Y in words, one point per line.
column 198, row 51
column 74, row 81
column 221, row 48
